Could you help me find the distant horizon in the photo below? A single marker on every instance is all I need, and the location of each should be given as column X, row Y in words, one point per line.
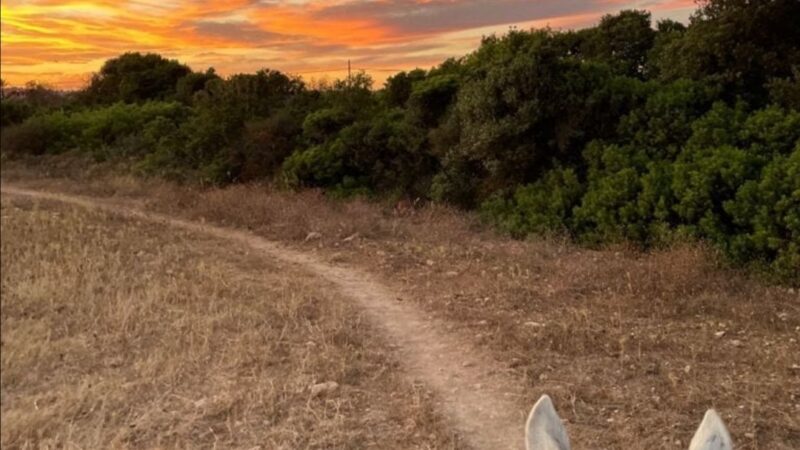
column 61, row 44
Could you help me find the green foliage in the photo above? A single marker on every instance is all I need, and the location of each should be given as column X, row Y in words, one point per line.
column 52, row 133
column 723, row 179
column 193, row 83
column 739, row 45
column 785, row 92
column 524, row 105
column 430, row 99
column 354, row 145
column 18, row 104
column 377, row 154
column 265, row 145
column 14, row 111
column 397, row 89
column 241, row 128
column 320, row 165
column 542, row 207
column 622, row 41
column 250, row 95
column 766, row 212
column 457, row 183
column 134, row 77
column 618, row 132
column 705, row 182
column 91, row 130
column 353, row 96
column 199, row 149
column 663, row 123
column 323, row 124
column 609, row 211
column 667, row 32
column 732, row 181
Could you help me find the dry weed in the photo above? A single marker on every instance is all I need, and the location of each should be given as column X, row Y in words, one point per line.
column 120, row 334
column 632, row 346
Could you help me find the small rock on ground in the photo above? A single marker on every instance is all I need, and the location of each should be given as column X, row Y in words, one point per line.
column 323, row 388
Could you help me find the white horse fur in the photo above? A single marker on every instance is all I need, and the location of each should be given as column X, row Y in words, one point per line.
column 545, row 431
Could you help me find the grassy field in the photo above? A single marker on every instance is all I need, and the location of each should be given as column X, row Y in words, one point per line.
column 123, row 334
column 632, row 346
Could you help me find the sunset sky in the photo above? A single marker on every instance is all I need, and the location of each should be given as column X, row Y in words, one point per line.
column 62, row 42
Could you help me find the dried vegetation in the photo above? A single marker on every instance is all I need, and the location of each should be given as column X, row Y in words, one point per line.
column 632, row 346
column 123, row 334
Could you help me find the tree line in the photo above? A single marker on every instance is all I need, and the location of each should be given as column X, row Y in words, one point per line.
column 627, row 131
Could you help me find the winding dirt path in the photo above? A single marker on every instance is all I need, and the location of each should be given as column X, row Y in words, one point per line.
column 471, row 391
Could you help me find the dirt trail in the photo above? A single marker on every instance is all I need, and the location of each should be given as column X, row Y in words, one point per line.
column 472, row 391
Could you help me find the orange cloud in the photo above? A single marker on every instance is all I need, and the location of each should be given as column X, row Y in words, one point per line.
column 62, row 41
column 303, row 20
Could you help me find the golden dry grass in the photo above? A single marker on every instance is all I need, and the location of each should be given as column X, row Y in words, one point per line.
column 122, row 334
column 632, row 346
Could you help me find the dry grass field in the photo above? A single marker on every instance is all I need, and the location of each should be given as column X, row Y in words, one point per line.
column 632, row 346
column 122, row 334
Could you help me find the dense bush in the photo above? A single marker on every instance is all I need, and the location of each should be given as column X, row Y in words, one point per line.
column 92, row 130
column 18, row 104
column 766, row 213
column 739, row 45
column 134, row 77
column 734, row 181
column 542, row 207
column 14, row 111
column 620, row 132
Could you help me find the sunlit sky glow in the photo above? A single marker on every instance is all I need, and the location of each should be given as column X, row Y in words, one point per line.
column 62, row 42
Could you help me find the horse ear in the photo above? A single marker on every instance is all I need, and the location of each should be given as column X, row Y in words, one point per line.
column 544, row 430
column 712, row 434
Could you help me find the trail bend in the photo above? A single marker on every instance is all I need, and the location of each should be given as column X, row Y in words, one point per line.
column 475, row 396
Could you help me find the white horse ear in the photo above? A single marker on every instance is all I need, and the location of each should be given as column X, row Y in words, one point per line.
column 544, row 430
column 712, row 434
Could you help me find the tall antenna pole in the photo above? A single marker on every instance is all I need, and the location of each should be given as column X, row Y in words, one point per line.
column 349, row 74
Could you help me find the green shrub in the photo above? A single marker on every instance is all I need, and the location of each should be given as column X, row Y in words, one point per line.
column 542, row 207
column 14, row 111
column 88, row 130
column 324, row 124
column 380, row 154
column 135, row 77
column 704, row 182
column 609, row 210
column 265, row 146
column 766, row 212
column 619, row 132
column 457, row 182
column 47, row 133
column 320, row 165
column 430, row 99
column 524, row 106
column 199, row 149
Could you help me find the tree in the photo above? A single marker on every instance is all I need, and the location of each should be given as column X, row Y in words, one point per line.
column 667, row 31
column 134, row 77
column 526, row 103
column 738, row 44
column 397, row 88
column 430, row 99
column 193, row 83
column 18, row 104
column 623, row 41
column 257, row 95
